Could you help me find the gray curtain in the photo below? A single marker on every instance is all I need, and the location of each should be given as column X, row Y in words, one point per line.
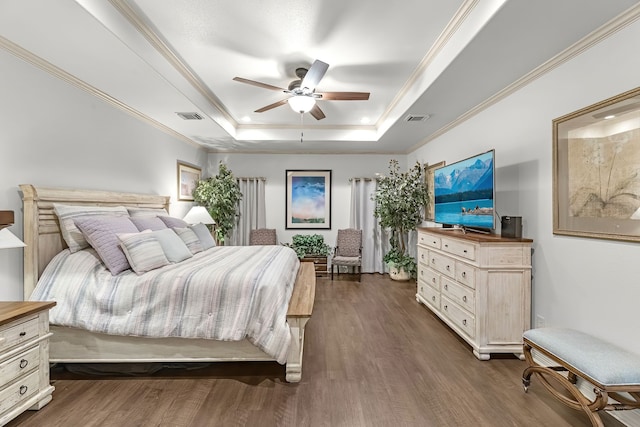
column 375, row 241
column 252, row 210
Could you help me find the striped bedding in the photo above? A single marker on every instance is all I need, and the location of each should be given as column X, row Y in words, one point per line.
column 224, row 293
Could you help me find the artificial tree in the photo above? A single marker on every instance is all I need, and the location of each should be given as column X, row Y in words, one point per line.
column 399, row 206
column 221, row 196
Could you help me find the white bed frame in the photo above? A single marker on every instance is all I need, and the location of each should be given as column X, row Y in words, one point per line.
column 70, row 345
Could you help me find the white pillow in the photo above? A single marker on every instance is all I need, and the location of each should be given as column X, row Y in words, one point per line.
column 140, row 212
column 189, row 238
column 143, row 251
column 174, row 248
column 68, row 213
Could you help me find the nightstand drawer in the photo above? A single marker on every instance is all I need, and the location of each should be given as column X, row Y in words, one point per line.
column 18, row 333
column 20, row 390
column 19, row 365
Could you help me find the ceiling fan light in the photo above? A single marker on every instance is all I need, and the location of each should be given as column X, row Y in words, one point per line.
column 301, row 103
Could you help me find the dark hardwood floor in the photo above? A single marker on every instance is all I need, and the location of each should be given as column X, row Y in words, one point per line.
column 373, row 357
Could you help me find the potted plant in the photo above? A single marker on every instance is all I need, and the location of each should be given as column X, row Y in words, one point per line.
column 399, row 206
column 309, row 245
column 221, row 196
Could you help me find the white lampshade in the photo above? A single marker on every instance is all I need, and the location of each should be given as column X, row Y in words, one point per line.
column 301, row 103
column 198, row 214
column 9, row 240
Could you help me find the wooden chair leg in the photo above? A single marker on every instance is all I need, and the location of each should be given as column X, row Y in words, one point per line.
column 332, row 271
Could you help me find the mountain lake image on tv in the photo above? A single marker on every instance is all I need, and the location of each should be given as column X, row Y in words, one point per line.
column 464, row 192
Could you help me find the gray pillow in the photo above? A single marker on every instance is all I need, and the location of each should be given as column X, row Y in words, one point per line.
column 174, row 248
column 138, row 212
column 189, row 238
column 148, row 223
column 173, row 222
column 101, row 233
column 143, row 251
column 67, row 214
column 205, row 237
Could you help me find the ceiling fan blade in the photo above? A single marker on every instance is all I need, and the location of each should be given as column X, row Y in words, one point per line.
column 317, row 113
column 344, row 96
column 259, row 84
column 314, row 75
column 271, row 106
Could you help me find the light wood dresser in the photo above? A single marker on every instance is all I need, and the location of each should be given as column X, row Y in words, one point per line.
column 479, row 285
column 24, row 357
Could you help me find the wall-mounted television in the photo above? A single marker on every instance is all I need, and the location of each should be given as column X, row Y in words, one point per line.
column 464, row 193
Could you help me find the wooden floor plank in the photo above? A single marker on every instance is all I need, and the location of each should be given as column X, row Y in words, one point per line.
column 373, row 357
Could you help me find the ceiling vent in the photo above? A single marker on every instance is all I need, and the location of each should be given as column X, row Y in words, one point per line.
column 190, row 116
column 416, row 118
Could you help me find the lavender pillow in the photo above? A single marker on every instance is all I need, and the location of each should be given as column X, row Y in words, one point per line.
column 101, row 233
column 173, row 222
column 152, row 223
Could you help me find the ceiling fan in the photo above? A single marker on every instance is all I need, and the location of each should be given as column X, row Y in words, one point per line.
column 303, row 95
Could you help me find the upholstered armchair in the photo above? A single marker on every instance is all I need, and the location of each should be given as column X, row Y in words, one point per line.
column 348, row 251
column 263, row 236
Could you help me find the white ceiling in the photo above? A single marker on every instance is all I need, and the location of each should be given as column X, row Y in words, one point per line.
column 416, row 57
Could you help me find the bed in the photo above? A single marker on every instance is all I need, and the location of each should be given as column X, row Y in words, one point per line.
column 42, row 234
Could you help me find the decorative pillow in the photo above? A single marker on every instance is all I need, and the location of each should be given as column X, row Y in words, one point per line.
column 148, row 223
column 189, row 238
column 205, row 237
column 139, row 212
column 173, row 222
column 143, row 251
column 174, row 248
column 100, row 232
column 67, row 214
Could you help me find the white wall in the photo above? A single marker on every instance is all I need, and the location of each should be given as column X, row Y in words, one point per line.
column 54, row 134
column 586, row 284
column 273, row 167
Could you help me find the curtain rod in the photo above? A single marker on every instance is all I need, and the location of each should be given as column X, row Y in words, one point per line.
column 246, row 178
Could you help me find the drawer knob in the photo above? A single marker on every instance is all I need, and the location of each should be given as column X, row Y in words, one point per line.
column 23, row 389
column 433, row 279
column 464, row 274
column 464, row 298
column 446, row 307
column 446, row 246
column 433, row 298
column 448, row 268
column 465, row 251
column 464, row 322
column 23, row 363
column 446, row 287
column 422, row 256
column 23, row 333
column 434, row 242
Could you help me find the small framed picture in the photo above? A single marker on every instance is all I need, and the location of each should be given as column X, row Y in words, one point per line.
column 188, row 177
column 308, row 199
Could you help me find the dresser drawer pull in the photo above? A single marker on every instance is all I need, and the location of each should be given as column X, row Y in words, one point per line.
column 464, row 298
column 23, row 389
column 464, row 322
column 433, row 279
column 421, row 288
column 23, row 333
column 23, row 363
column 446, row 287
column 433, row 298
column 464, row 274
column 448, row 268
column 465, row 251
column 422, row 256
column 434, row 242
column 446, row 307
column 446, row 246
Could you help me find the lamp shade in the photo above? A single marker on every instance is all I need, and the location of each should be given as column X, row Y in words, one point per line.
column 198, row 214
column 9, row 240
column 301, row 103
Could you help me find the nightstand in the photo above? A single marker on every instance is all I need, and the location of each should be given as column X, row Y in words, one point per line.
column 320, row 263
column 24, row 357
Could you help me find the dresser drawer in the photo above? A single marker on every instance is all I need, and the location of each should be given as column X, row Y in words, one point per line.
column 443, row 264
column 19, row 365
column 17, row 391
column 423, row 255
column 429, row 240
column 18, row 333
column 466, row 274
column 428, row 276
column 430, row 295
column 461, row 249
column 458, row 316
column 462, row 295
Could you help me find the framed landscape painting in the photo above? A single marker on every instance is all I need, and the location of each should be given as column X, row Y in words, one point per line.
column 596, row 170
column 308, row 199
column 188, row 177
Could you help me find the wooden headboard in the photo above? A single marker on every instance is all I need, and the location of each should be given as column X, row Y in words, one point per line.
column 41, row 227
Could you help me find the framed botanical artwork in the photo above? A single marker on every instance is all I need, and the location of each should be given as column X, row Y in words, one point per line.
column 596, row 170
column 308, row 199
column 428, row 179
column 188, row 177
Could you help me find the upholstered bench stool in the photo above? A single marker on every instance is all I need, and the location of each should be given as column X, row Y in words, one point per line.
column 610, row 369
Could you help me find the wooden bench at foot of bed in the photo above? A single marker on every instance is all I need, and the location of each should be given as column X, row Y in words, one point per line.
column 610, row 369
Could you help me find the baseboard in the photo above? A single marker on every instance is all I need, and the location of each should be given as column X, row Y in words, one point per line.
column 629, row 418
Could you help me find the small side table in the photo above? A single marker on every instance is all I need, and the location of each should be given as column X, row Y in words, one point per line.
column 320, row 263
column 24, row 357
